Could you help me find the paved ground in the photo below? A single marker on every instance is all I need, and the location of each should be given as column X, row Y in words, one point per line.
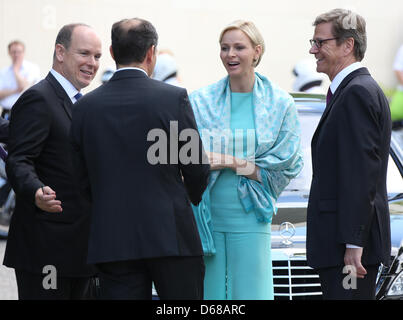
column 8, row 287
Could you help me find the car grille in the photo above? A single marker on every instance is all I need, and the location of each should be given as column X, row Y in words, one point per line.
column 295, row 280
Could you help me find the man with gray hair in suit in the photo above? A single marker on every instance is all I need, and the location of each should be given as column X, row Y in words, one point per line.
column 348, row 231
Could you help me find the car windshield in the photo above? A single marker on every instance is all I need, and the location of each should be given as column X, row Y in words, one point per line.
column 397, row 135
column 302, row 183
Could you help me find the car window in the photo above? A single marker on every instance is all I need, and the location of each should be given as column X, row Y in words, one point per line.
column 302, row 183
column 395, row 182
column 397, row 135
column 309, row 121
column 394, row 179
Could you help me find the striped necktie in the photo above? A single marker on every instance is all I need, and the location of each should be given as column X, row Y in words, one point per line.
column 78, row 96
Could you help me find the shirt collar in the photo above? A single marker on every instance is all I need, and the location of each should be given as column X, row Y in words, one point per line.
column 131, row 68
column 66, row 84
column 342, row 74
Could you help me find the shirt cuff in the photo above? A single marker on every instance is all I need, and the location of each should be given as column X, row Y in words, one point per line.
column 351, row 246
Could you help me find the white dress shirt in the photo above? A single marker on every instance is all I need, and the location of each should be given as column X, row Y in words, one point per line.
column 131, row 68
column 342, row 74
column 28, row 70
column 66, row 84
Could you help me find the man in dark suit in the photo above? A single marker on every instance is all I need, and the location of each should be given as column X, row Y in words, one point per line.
column 48, row 236
column 348, row 232
column 143, row 229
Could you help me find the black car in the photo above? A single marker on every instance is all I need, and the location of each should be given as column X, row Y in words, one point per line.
column 293, row 279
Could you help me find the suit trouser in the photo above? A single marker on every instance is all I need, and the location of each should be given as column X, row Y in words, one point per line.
column 173, row 277
column 337, row 285
column 31, row 287
column 241, row 269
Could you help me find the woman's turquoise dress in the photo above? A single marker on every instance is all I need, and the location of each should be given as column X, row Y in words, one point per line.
column 241, row 267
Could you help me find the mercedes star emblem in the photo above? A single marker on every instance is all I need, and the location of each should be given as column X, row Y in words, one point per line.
column 287, row 231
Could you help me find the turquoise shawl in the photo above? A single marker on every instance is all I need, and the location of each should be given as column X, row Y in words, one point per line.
column 278, row 153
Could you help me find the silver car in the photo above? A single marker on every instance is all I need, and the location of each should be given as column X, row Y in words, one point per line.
column 293, row 279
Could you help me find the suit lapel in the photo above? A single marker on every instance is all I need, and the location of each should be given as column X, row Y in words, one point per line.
column 336, row 95
column 65, row 100
column 68, row 107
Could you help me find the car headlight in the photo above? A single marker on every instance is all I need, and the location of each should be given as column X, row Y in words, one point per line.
column 396, row 289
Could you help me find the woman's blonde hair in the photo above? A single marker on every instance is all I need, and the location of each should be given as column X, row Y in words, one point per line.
column 251, row 31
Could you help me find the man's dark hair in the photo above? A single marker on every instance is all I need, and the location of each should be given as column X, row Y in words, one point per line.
column 131, row 39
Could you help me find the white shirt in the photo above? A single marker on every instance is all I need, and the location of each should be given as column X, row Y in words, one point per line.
column 66, row 84
column 131, row 68
column 398, row 64
column 333, row 87
column 28, row 70
column 342, row 74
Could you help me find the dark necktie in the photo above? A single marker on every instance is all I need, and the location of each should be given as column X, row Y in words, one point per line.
column 329, row 96
column 78, row 96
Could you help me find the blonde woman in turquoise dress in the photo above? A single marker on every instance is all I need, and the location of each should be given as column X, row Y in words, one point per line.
column 250, row 131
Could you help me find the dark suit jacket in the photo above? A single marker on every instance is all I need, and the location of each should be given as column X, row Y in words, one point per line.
column 139, row 210
column 39, row 155
column 348, row 199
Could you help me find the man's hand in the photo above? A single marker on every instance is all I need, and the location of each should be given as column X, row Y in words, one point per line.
column 45, row 199
column 242, row 167
column 17, row 64
column 352, row 257
column 220, row 161
column 22, row 83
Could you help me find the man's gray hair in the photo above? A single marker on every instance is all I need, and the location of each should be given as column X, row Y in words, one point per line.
column 347, row 24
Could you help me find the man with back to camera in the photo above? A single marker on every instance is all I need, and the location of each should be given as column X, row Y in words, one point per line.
column 348, row 215
column 143, row 229
column 48, row 233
